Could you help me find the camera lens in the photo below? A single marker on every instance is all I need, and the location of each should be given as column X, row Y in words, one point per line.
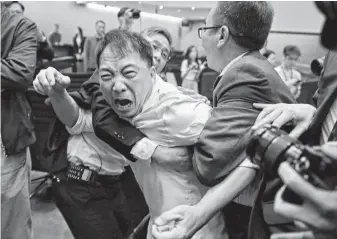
column 317, row 66
column 135, row 13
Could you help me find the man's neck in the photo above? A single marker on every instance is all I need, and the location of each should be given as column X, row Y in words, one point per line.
column 98, row 35
column 125, row 27
column 287, row 68
column 230, row 56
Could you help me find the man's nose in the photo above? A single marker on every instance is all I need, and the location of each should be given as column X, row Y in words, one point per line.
column 119, row 87
column 157, row 55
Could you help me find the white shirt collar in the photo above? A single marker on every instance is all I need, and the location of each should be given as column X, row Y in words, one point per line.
column 231, row 63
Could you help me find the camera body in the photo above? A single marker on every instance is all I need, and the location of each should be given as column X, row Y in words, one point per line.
column 135, row 13
column 270, row 146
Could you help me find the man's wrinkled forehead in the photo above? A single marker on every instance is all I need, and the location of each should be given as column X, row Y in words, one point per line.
column 111, row 55
column 113, row 51
column 114, row 57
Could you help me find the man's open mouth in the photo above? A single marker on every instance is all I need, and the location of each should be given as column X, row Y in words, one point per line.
column 123, row 103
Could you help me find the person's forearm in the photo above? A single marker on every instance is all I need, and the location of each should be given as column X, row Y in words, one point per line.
column 185, row 72
column 223, row 193
column 65, row 108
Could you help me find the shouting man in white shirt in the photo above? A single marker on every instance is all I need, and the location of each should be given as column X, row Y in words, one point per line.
column 164, row 114
column 95, row 208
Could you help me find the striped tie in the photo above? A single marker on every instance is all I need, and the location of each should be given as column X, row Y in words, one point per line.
column 333, row 134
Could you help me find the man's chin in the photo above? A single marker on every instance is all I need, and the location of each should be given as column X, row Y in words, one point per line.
column 127, row 114
column 159, row 69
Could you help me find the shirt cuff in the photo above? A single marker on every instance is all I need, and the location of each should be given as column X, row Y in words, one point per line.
column 144, row 149
column 247, row 163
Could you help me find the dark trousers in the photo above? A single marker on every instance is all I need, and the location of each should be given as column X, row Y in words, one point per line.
column 135, row 200
column 237, row 220
column 93, row 211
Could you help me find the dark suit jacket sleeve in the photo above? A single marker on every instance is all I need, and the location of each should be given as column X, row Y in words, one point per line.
column 17, row 69
column 111, row 129
column 222, row 144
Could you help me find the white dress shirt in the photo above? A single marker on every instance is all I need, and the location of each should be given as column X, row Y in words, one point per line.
column 171, row 119
column 84, row 148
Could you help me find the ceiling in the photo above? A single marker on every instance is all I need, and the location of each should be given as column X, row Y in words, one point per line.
column 183, row 9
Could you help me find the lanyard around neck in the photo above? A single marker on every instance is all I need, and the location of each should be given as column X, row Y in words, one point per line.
column 285, row 75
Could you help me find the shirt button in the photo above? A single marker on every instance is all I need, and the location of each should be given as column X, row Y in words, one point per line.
column 115, row 133
column 123, row 137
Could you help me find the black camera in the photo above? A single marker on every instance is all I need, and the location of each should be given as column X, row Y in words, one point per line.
column 317, row 66
column 270, row 146
column 135, row 13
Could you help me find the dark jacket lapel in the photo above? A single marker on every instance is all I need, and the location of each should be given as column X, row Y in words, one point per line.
column 325, row 96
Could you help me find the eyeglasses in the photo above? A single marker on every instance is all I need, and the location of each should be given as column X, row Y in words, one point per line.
column 202, row 30
column 292, row 58
column 164, row 52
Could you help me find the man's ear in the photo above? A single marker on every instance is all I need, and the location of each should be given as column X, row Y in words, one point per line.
column 223, row 36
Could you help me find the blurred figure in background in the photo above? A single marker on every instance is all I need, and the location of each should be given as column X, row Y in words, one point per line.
column 125, row 18
column 91, row 44
column 271, row 56
column 287, row 71
column 78, row 43
column 190, row 69
column 18, row 59
column 55, row 38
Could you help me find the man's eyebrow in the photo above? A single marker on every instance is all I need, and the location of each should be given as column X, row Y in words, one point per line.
column 105, row 68
column 162, row 45
column 129, row 65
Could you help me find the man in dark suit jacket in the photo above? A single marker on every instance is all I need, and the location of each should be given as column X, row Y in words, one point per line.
column 18, row 58
column 234, row 33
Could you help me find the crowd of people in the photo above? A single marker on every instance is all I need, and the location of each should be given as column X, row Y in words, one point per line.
column 136, row 157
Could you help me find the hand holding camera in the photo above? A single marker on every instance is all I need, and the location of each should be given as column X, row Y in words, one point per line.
column 308, row 194
column 280, row 114
column 319, row 208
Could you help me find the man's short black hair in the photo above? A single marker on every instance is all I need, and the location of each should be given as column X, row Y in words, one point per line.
column 157, row 30
column 249, row 22
column 123, row 42
column 7, row 4
column 122, row 11
column 291, row 49
column 99, row 21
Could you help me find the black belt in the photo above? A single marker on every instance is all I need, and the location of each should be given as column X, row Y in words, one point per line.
column 84, row 174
